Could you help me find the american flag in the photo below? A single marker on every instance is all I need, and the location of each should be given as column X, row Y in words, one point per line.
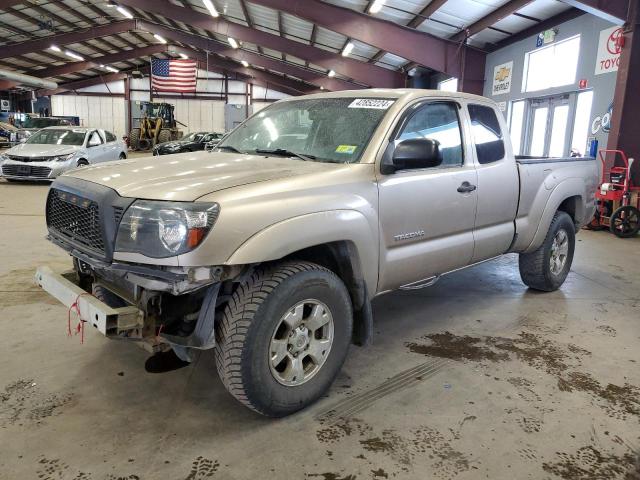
column 173, row 75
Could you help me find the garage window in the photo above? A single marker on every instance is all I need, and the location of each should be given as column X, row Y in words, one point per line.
column 551, row 66
column 487, row 134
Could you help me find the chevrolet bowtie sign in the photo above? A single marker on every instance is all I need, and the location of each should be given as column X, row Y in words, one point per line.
column 502, row 78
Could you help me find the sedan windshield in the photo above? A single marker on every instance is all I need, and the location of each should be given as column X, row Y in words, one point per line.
column 58, row 137
column 324, row 129
column 193, row 137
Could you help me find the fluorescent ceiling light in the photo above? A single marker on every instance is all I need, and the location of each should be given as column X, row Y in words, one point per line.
column 347, row 49
column 376, row 6
column 124, row 11
column 211, row 7
column 232, row 42
column 184, row 57
column 73, row 55
column 55, row 48
column 244, row 63
column 331, row 73
column 111, row 69
column 159, row 38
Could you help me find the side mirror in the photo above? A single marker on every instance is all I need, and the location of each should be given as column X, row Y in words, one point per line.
column 415, row 153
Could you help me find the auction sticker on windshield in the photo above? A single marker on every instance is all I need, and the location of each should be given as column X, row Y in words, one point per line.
column 346, row 149
column 376, row 103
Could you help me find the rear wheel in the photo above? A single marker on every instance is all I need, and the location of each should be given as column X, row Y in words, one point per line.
column 283, row 337
column 122, row 156
column 547, row 267
column 134, row 139
column 625, row 222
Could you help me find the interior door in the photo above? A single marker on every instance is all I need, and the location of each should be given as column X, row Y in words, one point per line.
column 427, row 215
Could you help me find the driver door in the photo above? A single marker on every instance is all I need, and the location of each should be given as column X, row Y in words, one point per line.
column 426, row 218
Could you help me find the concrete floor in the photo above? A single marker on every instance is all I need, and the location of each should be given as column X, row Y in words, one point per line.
column 476, row 377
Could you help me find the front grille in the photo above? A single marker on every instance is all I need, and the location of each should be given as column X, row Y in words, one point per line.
column 18, row 158
column 25, row 171
column 75, row 218
column 117, row 214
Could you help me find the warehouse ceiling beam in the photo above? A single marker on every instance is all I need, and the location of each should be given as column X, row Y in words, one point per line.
column 359, row 71
column 41, row 44
column 239, row 55
column 247, row 74
column 7, row 4
column 439, row 54
column 491, row 19
column 426, row 13
column 539, row 27
column 614, row 11
column 84, row 83
column 94, row 62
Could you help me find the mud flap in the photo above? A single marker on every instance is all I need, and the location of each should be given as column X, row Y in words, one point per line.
column 363, row 323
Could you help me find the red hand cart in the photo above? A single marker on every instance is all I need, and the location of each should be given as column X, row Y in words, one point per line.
column 618, row 199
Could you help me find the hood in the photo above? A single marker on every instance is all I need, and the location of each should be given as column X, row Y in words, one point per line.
column 172, row 143
column 39, row 150
column 188, row 176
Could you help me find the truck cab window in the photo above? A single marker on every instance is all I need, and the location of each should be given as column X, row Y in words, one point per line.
column 487, row 134
column 438, row 121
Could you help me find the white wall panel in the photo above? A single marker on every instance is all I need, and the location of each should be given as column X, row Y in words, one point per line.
column 100, row 112
column 198, row 114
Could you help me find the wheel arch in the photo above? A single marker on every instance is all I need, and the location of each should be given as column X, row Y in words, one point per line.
column 568, row 196
column 348, row 247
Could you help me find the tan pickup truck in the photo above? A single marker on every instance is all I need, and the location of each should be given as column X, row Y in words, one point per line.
column 269, row 249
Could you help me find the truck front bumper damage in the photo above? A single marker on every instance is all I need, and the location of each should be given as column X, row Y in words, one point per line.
column 130, row 322
column 108, row 321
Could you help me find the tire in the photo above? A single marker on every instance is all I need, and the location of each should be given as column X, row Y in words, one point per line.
column 535, row 267
column 82, row 163
column 625, row 222
column 122, row 156
column 164, row 135
column 134, row 139
column 252, row 319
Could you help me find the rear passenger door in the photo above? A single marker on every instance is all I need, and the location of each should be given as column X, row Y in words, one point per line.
column 498, row 183
column 111, row 146
column 95, row 147
column 426, row 217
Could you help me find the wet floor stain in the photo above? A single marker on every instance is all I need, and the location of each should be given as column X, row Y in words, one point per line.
column 558, row 360
column 331, row 476
column 25, row 402
column 589, row 463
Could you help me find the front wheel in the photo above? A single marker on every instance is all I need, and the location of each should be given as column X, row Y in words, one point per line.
column 547, row 268
column 283, row 337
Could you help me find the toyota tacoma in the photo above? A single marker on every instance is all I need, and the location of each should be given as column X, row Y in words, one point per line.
column 269, row 250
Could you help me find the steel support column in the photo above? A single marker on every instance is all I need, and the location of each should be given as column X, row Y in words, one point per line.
column 625, row 127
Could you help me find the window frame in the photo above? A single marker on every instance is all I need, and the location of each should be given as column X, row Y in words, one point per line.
column 472, row 137
column 89, row 138
column 409, row 111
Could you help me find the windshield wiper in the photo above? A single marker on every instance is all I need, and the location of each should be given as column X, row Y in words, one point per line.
column 230, row 148
column 286, row 153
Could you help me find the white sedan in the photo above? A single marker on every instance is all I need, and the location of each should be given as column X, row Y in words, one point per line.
column 54, row 150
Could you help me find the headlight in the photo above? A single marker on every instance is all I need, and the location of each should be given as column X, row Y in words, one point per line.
column 165, row 229
column 63, row 158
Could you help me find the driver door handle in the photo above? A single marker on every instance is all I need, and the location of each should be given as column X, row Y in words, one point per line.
column 466, row 187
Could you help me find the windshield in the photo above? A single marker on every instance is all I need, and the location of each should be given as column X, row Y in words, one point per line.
column 38, row 122
column 58, row 137
column 326, row 129
column 193, row 137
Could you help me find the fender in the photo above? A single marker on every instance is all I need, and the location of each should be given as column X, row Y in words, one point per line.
column 571, row 187
column 297, row 233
